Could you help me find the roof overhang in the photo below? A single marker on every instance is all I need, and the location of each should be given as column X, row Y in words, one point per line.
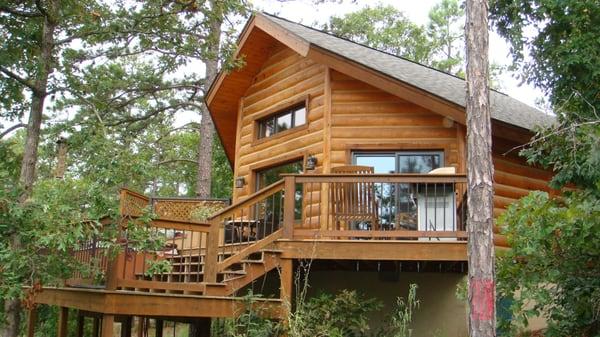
column 261, row 35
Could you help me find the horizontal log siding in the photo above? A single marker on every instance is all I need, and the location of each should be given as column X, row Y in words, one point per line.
column 364, row 117
column 285, row 77
column 513, row 177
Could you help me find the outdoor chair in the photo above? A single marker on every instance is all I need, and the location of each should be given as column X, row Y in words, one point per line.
column 353, row 202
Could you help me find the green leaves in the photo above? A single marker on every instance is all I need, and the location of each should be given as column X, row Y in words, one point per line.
column 439, row 43
column 553, row 262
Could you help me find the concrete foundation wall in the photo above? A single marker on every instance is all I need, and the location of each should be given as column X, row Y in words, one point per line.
column 440, row 314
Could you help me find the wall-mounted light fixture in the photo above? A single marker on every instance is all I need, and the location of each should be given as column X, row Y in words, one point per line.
column 311, row 163
column 240, row 182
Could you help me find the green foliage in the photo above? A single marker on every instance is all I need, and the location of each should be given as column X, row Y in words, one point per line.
column 553, row 268
column 555, row 45
column 384, row 28
column 401, row 317
column 342, row 315
column 561, row 39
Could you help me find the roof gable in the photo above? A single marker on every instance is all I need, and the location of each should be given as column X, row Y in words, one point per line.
column 433, row 89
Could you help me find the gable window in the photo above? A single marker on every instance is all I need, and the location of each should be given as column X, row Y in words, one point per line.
column 285, row 119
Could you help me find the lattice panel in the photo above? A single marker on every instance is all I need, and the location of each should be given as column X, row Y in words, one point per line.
column 187, row 209
column 133, row 205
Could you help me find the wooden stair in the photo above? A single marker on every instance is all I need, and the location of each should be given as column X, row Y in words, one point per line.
column 187, row 276
column 243, row 273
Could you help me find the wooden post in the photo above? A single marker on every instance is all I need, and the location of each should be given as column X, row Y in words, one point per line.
column 31, row 320
column 159, row 328
column 286, row 282
column 212, row 254
column 80, row 324
column 108, row 322
column 480, row 175
column 200, row 327
column 63, row 319
column 141, row 326
column 288, row 206
column 96, row 327
column 126, row 326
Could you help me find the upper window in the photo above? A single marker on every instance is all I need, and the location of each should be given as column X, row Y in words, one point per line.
column 283, row 120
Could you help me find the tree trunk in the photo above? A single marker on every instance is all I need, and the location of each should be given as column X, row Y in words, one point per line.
column 207, row 128
column 12, row 307
column 480, row 171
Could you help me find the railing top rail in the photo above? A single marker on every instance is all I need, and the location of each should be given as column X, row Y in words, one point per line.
column 269, row 190
column 379, row 178
column 134, row 193
column 188, row 199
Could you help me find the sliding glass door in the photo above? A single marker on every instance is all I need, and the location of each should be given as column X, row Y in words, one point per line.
column 406, row 206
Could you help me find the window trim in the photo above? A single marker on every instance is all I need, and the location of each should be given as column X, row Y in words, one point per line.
column 396, row 154
column 274, row 112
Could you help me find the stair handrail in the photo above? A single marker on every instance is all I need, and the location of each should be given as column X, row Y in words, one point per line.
column 212, row 266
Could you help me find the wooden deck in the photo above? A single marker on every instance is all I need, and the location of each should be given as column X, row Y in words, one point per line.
column 212, row 260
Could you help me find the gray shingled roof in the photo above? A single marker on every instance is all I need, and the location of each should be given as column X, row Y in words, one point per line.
column 441, row 84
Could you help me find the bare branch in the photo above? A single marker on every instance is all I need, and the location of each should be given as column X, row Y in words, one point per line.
column 18, row 78
column 176, row 161
column 17, row 12
column 11, row 129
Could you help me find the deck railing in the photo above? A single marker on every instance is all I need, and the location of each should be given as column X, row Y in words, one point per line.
column 376, row 206
column 299, row 207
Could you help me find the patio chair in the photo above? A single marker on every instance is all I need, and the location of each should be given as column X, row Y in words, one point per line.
column 353, row 202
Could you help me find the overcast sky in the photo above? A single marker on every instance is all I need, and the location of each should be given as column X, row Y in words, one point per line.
column 304, row 11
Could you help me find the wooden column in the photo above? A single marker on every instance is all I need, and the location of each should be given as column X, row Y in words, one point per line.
column 288, row 207
column 96, row 327
column 286, row 284
column 126, row 326
column 63, row 319
column 210, row 260
column 200, row 327
column 141, row 328
column 108, row 322
column 31, row 320
column 80, row 324
column 159, row 328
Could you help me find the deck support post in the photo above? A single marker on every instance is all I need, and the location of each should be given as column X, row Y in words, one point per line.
column 200, row 327
column 285, row 286
column 108, row 322
column 141, row 328
column 126, row 326
column 80, row 324
column 31, row 320
column 63, row 319
column 96, row 327
column 159, row 328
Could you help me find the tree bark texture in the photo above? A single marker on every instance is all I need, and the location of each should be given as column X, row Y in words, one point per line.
column 480, row 172
column 207, row 128
column 12, row 307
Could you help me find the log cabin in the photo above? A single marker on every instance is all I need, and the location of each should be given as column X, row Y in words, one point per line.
column 345, row 156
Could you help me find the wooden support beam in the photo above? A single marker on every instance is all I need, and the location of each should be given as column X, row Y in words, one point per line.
column 63, row 319
column 141, row 328
column 200, row 327
column 126, row 326
column 286, row 283
column 108, row 322
column 96, row 327
column 31, row 320
column 159, row 328
column 80, row 323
